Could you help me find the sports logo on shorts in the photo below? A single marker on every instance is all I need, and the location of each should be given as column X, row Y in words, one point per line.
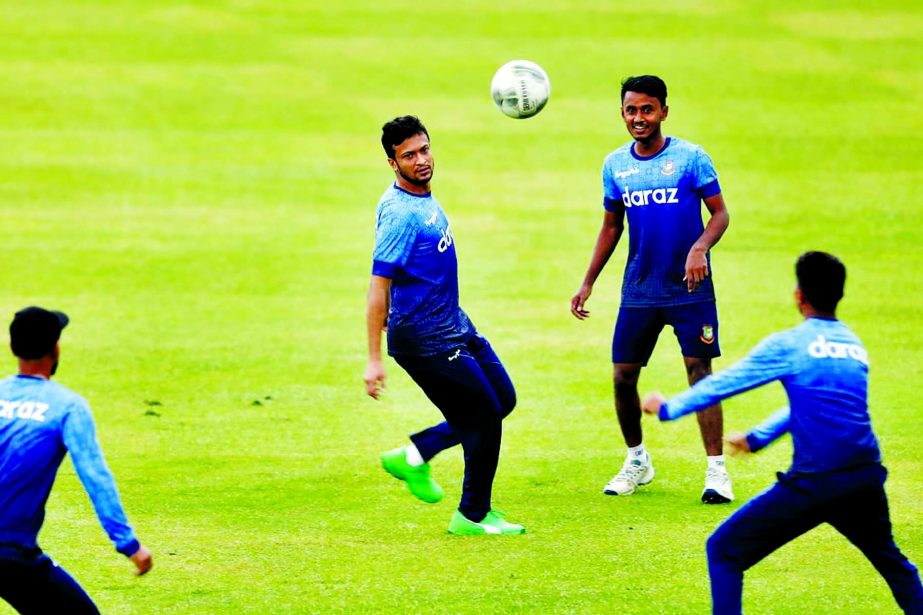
column 708, row 334
column 668, row 168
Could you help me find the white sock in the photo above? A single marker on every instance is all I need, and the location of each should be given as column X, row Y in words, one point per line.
column 716, row 461
column 637, row 452
column 413, row 456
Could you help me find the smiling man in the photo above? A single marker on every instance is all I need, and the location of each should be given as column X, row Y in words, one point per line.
column 414, row 295
column 659, row 183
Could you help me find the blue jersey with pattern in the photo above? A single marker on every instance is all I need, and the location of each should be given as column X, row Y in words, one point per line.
column 824, row 369
column 662, row 196
column 40, row 422
column 415, row 249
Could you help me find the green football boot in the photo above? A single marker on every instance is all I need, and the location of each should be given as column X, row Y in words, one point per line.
column 493, row 523
column 496, row 519
column 417, row 477
column 460, row 525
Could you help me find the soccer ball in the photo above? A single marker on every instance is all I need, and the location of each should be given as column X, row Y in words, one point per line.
column 520, row 89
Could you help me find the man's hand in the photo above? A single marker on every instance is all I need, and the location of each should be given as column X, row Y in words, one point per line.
column 738, row 445
column 578, row 300
column 696, row 268
column 652, row 403
column 374, row 378
column 143, row 560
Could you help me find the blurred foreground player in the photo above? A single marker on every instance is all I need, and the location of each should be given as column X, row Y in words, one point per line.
column 836, row 475
column 414, row 294
column 40, row 422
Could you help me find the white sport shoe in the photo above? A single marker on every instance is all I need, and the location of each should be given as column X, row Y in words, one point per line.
column 717, row 487
column 633, row 474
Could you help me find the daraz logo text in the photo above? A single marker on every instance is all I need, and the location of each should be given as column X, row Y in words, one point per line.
column 822, row 349
column 658, row 196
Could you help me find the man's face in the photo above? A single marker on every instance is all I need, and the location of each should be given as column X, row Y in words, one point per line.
column 642, row 115
column 413, row 160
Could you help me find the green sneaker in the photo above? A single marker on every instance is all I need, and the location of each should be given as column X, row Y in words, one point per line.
column 460, row 525
column 416, row 477
column 496, row 519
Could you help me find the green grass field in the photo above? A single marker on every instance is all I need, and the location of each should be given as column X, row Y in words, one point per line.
column 195, row 182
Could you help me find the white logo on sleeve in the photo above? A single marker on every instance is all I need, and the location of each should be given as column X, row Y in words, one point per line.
column 32, row 410
column 820, row 348
column 659, row 196
column 446, row 240
column 432, row 219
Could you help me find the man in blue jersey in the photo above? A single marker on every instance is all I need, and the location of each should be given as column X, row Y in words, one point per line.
column 659, row 183
column 40, row 422
column 414, row 295
column 836, row 475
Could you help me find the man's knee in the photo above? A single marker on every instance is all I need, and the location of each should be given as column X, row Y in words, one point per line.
column 697, row 368
column 507, row 400
column 625, row 380
column 720, row 550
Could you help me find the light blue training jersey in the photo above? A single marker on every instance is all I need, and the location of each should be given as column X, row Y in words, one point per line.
column 40, row 422
column 824, row 369
column 415, row 249
column 662, row 195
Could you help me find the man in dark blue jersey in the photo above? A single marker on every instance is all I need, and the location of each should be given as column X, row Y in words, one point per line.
column 836, row 475
column 414, row 295
column 40, row 422
column 659, row 183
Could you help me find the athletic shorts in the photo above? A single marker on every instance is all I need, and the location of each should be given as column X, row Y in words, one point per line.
column 637, row 328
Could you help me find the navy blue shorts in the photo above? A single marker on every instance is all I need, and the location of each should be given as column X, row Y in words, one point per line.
column 38, row 585
column 637, row 328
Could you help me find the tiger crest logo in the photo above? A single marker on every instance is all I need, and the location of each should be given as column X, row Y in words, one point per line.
column 708, row 334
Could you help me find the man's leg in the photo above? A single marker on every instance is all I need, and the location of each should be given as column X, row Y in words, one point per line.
column 41, row 587
column 696, row 330
column 432, row 441
column 780, row 514
column 633, row 341
column 711, row 421
column 462, row 392
column 865, row 521
column 627, row 401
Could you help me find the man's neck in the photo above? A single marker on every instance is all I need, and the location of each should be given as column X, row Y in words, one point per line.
column 35, row 369
column 809, row 312
column 650, row 146
column 412, row 188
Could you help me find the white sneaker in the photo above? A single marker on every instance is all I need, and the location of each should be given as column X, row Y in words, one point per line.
column 633, row 474
column 717, row 487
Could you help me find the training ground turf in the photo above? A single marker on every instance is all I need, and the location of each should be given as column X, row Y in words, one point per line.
column 195, row 182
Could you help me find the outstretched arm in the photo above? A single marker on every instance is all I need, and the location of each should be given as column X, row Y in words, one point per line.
column 765, row 363
column 696, row 263
column 79, row 434
column 376, row 315
column 609, row 234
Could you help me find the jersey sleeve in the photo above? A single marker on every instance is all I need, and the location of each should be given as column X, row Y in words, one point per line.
column 611, row 193
column 706, row 177
column 394, row 237
column 767, row 362
column 79, row 434
column 771, row 429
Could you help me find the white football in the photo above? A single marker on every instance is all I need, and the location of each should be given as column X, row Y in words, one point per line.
column 520, row 89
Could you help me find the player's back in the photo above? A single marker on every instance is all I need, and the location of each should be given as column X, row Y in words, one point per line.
column 32, row 413
column 828, row 394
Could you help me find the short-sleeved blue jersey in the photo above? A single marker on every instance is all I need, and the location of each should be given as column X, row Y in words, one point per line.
column 415, row 249
column 41, row 421
column 824, row 369
column 662, row 195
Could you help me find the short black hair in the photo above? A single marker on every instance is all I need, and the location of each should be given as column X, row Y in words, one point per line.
column 646, row 84
column 821, row 278
column 35, row 331
column 399, row 130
